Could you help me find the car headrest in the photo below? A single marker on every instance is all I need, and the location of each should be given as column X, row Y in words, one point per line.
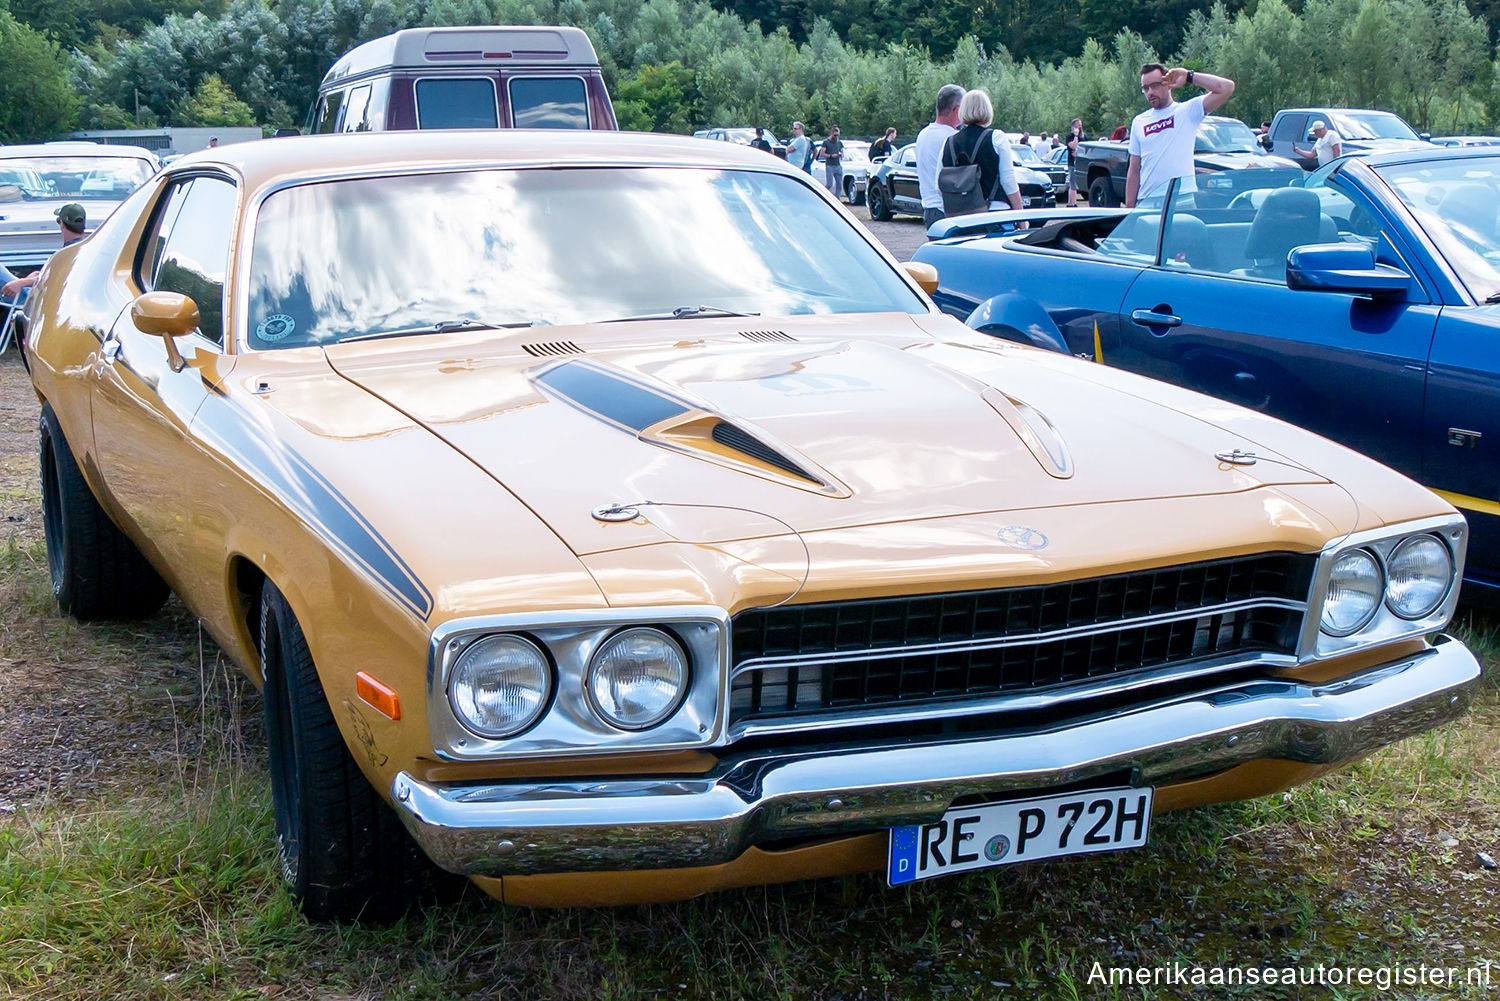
column 1289, row 217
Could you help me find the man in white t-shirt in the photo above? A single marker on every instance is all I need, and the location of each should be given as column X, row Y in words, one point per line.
column 1329, row 145
column 1162, row 136
column 930, row 142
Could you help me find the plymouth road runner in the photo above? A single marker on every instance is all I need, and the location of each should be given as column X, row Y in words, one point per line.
column 611, row 519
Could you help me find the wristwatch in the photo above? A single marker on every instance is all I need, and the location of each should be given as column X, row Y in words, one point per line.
column 1190, row 76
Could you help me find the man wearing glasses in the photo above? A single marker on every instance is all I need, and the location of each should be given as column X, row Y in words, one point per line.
column 1162, row 136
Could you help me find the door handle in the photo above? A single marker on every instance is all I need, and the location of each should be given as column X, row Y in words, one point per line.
column 1151, row 318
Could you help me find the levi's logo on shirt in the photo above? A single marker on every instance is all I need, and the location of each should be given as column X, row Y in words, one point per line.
column 1160, row 126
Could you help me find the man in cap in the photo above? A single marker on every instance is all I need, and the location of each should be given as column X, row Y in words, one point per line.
column 1329, row 145
column 70, row 221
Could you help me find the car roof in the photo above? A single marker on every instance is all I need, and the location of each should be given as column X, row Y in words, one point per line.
column 76, row 149
column 267, row 161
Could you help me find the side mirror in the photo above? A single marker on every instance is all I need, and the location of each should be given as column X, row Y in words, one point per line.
column 1265, row 142
column 1343, row 267
column 168, row 315
column 925, row 275
column 1426, row 137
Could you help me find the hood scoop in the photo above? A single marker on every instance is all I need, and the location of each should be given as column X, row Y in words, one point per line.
column 655, row 416
column 552, row 349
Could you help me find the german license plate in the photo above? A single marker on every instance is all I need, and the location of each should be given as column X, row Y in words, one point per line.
column 978, row 837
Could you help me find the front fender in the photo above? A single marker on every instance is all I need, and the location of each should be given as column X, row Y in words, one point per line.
column 1015, row 317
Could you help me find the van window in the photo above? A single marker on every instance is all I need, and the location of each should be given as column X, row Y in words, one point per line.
column 446, row 103
column 1290, row 128
column 355, row 118
column 327, row 117
column 549, row 102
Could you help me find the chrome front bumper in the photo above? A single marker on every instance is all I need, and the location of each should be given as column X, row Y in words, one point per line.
column 507, row 828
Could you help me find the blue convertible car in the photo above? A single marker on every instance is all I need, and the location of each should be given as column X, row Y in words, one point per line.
column 1362, row 302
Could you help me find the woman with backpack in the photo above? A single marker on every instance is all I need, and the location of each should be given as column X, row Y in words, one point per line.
column 975, row 143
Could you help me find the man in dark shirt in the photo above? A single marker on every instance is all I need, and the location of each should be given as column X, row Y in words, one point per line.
column 1075, row 136
column 832, row 155
column 760, row 141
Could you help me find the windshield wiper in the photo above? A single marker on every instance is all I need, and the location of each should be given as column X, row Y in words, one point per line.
column 682, row 313
column 1493, row 297
column 440, row 327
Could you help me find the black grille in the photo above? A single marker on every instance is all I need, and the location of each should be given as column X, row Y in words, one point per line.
column 1034, row 661
column 732, row 437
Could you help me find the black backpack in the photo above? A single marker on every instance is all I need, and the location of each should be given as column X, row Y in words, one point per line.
column 959, row 183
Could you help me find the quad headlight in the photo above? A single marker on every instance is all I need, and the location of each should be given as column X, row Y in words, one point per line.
column 1420, row 571
column 637, row 678
column 1355, row 588
column 500, row 685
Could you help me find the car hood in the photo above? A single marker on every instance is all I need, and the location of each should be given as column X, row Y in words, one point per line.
column 40, row 216
column 820, row 423
column 1237, row 161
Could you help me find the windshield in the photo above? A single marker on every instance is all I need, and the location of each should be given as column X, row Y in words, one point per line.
column 1025, row 154
column 50, row 177
column 1225, row 135
column 1458, row 203
column 366, row 256
column 1371, row 125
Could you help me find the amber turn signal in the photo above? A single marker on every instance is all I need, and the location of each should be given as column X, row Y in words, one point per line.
column 377, row 695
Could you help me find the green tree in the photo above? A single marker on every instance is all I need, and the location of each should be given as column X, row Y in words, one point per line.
column 213, row 103
column 36, row 101
column 659, row 99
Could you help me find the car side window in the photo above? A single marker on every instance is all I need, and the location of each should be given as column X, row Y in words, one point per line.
column 549, row 102
column 356, row 118
column 327, row 119
column 1251, row 236
column 1134, row 237
column 1290, row 128
column 463, row 103
column 188, row 250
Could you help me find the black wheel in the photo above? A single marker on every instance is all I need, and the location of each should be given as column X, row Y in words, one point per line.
column 344, row 854
column 1102, row 192
column 880, row 207
column 97, row 572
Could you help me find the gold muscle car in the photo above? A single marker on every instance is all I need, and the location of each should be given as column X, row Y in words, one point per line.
column 609, row 518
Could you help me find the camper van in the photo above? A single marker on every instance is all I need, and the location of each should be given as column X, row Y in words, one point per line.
column 480, row 77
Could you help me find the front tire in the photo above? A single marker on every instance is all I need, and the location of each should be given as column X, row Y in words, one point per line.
column 880, row 207
column 344, row 854
column 97, row 572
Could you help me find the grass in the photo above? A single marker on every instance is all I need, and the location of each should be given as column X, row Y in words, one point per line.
column 157, row 879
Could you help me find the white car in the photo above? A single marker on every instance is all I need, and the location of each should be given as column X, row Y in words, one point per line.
column 36, row 180
column 856, row 162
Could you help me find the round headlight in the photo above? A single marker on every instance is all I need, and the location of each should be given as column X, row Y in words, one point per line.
column 500, row 685
column 637, row 678
column 1354, row 593
column 1420, row 571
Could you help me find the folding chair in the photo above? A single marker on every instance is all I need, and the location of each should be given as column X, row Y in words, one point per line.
column 8, row 325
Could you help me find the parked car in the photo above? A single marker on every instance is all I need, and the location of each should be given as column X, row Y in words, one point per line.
column 37, row 180
column 1359, row 304
column 466, row 77
column 637, row 527
column 1055, row 171
column 1361, row 130
column 1222, row 148
column 856, row 164
column 1465, row 140
column 893, row 187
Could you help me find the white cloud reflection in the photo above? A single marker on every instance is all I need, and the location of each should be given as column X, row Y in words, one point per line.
column 555, row 246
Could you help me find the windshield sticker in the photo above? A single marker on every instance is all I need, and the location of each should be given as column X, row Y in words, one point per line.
column 275, row 327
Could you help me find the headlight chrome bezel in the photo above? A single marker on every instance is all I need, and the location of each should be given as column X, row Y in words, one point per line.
column 1385, row 625
column 571, row 726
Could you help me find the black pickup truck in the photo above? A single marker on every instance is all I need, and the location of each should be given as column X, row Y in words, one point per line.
column 1224, row 145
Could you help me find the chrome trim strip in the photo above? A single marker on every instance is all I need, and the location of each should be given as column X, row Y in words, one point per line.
column 1000, row 642
column 611, row 823
column 964, row 706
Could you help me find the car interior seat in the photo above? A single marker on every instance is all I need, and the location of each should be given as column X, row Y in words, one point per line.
column 1289, row 217
column 1186, row 243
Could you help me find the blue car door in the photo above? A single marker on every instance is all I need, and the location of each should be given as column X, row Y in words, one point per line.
column 1215, row 315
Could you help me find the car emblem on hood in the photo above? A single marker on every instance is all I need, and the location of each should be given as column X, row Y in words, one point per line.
column 1022, row 537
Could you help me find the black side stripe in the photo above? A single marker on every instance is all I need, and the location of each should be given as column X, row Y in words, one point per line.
column 303, row 489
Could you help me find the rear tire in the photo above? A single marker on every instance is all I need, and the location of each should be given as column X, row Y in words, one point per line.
column 97, row 572
column 1102, row 193
column 852, row 194
column 880, row 208
column 344, row 853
